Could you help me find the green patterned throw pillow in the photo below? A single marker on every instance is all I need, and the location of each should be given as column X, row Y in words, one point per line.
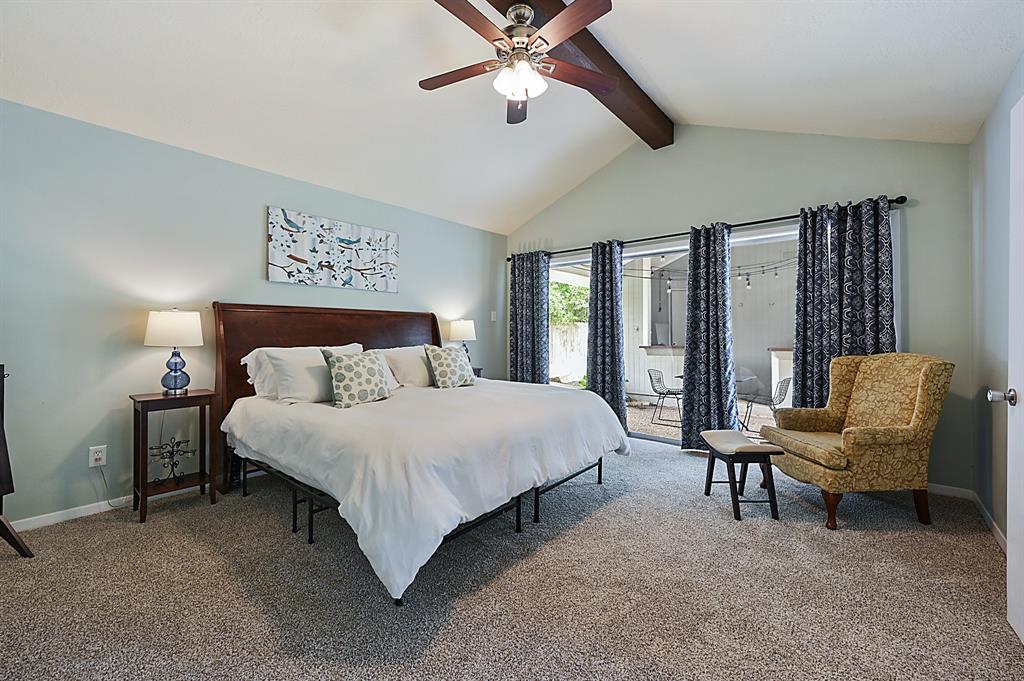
column 450, row 366
column 358, row 377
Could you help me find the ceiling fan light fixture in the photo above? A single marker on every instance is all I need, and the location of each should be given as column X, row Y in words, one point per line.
column 535, row 83
column 521, row 65
column 520, row 81
column 504, row 81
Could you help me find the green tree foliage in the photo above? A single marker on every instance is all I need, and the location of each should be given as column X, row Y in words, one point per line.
column 568, row 304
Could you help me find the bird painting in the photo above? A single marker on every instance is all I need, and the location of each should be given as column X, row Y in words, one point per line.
column 295, row 227
column 330, row 252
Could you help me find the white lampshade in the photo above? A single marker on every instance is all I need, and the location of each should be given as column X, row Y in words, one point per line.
column 520, row 81
column 462, row 330
column 174, row 329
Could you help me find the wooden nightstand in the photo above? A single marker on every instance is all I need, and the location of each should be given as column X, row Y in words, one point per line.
column 478, row 372
column 142, row 487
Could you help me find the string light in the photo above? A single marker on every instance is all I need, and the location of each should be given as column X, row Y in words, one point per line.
column 742, row 272
column 748, row 282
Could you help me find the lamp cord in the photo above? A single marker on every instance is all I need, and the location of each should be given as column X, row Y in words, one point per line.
column 106, row 492
column 103, row 476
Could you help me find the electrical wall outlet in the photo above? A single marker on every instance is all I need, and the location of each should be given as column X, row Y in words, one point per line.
column 494, row 315
column 97, row 456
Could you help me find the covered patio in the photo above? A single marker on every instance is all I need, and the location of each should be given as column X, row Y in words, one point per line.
column 638, row 417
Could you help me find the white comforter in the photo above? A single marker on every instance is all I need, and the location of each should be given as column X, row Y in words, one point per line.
column 408, row 470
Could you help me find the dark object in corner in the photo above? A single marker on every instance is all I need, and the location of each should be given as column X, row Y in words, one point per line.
column 7, row 531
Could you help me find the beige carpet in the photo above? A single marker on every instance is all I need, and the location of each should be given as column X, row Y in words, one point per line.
column 641, row 578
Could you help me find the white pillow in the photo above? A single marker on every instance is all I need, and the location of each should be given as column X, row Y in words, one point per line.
column 410, row 365
column 389, row 376
column 343, row 349
column 293, row 374
column 261, row 374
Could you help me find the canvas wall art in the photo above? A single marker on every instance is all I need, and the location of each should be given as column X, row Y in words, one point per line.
column 318, row 251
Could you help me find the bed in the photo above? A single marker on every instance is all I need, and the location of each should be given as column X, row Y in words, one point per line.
column 410, row 470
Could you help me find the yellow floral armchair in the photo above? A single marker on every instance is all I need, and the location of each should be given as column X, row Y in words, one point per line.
column 874, row 434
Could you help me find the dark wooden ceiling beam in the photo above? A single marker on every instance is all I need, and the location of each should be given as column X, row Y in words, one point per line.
column 628, row 101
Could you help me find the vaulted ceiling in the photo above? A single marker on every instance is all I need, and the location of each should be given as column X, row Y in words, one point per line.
column 326, row 91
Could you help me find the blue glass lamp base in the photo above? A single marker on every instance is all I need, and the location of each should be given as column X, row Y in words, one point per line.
column 175, row 381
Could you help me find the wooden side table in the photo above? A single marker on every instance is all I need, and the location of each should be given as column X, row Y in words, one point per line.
column 142, row 487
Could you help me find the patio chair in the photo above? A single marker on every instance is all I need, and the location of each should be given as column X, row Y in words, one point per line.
column 663, row 392
column 781, row 390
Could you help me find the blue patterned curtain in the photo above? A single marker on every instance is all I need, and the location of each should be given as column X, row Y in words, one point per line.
column 811, row 339
column 709, row 386
column 844, row 292
column 528, row 323
column 606, row 366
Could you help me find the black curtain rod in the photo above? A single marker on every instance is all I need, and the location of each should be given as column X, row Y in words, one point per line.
column 898, row 201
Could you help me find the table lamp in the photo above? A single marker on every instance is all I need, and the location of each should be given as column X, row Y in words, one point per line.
column 462, row 330
column 174, row 329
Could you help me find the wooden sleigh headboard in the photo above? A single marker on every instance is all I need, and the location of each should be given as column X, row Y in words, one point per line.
column 243, row 328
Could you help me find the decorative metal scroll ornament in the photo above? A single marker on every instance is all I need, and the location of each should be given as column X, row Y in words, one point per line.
column 170, row 455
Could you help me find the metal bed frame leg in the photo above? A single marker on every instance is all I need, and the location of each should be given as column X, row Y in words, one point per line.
column 311, row 496
column 309, row 520
column 600, row 471
column 295, row 511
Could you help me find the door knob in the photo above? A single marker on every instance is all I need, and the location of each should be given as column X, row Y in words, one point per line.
column 1010, row 396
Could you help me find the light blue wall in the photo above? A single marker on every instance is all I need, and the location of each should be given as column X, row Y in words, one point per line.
column 990, row 216
column 97, row 227
column 738, row 175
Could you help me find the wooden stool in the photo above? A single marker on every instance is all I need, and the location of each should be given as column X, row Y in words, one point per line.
column 733, row 448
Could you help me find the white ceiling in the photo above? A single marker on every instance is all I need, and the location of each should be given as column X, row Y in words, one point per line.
column 923, row 70
column 326, row 91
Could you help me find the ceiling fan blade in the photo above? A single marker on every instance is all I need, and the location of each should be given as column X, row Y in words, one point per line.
column 460, row 74
column 568, row 23
column 516, row 111
column 472, row 17
column 594, row 81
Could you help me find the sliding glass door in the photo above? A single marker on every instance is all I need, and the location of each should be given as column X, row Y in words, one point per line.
column 654, row 309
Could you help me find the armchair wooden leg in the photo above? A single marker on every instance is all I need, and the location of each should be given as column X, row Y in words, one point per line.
column 921, row 505
column 11, row 536
column 831, row 503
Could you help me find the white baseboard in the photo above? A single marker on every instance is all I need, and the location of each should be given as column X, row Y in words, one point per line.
column 67, row 514
column 948, row 491
column 996, row 532
column 961, row 493
column 32, row 523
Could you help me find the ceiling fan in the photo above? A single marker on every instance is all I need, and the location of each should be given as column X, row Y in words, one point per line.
column 522, row 60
